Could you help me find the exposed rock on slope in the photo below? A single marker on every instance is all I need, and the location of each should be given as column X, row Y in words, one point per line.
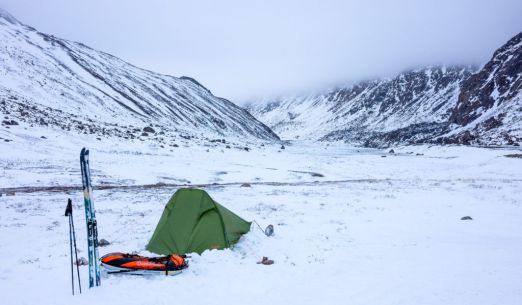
column 432, row 105
column 408, row 108
column 489, row 107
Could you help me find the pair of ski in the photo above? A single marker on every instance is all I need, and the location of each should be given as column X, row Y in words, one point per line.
column 90, row 217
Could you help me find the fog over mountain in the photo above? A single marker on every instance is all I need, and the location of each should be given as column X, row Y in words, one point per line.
column 450, row 105
column 245, row 50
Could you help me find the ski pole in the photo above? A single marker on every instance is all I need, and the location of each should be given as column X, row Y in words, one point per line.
column 75, row 249
column 68, row 212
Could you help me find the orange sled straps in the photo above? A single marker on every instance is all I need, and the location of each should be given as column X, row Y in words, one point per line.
column 131, row 263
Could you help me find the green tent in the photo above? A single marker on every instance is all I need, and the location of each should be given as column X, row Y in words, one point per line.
column 193, row 222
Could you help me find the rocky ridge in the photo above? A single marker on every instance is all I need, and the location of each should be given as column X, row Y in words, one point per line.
column 440, row 105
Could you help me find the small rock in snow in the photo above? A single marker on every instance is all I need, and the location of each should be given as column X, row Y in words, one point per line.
column 103, row 243
column 246, row 185
column 466, row 218
column 266, row 261
column 391, row 151
column 82, row 261
column 12, row 122
column 514, row 156
column 149, row 129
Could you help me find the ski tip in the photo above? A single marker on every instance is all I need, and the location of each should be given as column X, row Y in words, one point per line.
column 84, row 153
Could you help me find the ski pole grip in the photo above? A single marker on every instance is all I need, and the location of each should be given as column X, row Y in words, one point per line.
column 68, row 209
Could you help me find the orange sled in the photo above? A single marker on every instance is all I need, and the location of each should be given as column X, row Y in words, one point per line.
column 141, row 265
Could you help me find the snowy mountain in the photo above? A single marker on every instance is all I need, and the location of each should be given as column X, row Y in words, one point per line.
column 48, row 81
column 431, row 105
column 415, row 105
column 489, row 107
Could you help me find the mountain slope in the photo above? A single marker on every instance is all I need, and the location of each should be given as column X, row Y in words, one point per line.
column 489, row 107
column 44, row 78
column 431, row 105
column 418, row 103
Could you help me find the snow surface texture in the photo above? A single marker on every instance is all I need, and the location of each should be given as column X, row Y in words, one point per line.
column 43, row 77
column 351, row 225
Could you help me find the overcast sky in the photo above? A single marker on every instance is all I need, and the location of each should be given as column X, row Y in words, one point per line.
column 244, row 49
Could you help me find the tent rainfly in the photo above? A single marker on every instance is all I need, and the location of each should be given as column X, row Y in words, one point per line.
column 193, row 222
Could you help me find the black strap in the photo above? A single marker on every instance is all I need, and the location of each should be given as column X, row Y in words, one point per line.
column 167, row 265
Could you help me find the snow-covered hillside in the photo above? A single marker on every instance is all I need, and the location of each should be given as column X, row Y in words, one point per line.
column 419, row 99
column 48, row 81
column 419, row 106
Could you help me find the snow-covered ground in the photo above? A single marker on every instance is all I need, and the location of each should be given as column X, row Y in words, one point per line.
column 372, row 230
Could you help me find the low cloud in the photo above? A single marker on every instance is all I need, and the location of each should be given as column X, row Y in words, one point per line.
column 246, row 49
